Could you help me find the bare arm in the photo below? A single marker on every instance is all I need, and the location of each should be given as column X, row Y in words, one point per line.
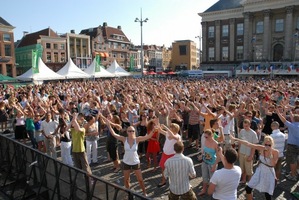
column 253, row 146
column 119, row 137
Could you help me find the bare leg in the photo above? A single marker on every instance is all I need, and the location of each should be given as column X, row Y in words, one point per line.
column 127, row 178
column 140, row 180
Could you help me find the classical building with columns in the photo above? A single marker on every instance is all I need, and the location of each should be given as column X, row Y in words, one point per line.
column 251, row 34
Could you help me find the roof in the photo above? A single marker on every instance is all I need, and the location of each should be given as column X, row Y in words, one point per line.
column 4, row 22
column 108, row 33
column 92, row 32
column 32, row 38
column 224, row 5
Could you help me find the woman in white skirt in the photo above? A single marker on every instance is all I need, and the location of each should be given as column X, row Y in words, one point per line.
column 65, row 142
column 92, row 137
column 264, row 177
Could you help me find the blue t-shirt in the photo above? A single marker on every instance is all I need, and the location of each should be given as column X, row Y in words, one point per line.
column 293, row 133
column 37, row 125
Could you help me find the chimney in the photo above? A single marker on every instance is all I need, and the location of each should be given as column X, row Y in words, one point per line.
column 119, row 27
column 72, row 31
column 25, row 33
column 105, row 24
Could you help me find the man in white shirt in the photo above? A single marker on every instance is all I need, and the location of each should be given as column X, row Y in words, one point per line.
column 224, row 182
column 48, row 127
column 279, row 144
column 178, row 168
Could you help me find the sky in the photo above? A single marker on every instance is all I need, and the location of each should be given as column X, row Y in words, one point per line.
column 168, row 20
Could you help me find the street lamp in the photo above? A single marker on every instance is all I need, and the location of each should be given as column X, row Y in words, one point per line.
column 199, row 47
column 141, row 23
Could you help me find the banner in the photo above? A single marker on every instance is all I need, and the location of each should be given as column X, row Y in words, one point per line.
column 131, row 69
column 98, row 63
column 35, row 57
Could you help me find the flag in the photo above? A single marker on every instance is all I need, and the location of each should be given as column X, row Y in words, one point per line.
column 98, row 63
column 131, row 64
column 270, row 68
column 255, row 68
column 35, row 57
column 248, row 69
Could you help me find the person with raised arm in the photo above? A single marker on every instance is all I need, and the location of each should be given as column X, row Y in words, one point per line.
column 264, row 177
column 224, row 182
column 171, row 137
column 131, row 159
column 292, row 143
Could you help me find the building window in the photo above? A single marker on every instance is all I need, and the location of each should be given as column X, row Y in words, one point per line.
column 211, row 54
column 55, row 46
column 183, row 50
column 7, row 50
column 56, row 57
column 279, row 25
column 239, row 52
column 6, row 37
column 260, row 27
column 211, row 32
column 62, row 46
column 62, row 59
column 48, row 45
column 48, row 57
column 123, row 46
column 240, row 29
column 114, row 55
column 225, row 31
column 115, row 45
column 224, row 53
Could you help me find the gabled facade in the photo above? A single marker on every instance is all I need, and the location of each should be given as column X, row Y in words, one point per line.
column 53, row 49
column 111, row 44
column 7, row 55
column 153, row 57
column 166, row 58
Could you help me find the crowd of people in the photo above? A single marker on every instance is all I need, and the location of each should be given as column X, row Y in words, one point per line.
column 150, row 117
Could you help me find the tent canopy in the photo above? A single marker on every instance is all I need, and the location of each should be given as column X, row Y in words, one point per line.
column 91, row 70
column 71, row 71
column 117, row 70
column 45, row 73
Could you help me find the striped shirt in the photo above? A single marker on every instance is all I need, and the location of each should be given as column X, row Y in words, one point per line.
column 178, row 168
column 279, row 141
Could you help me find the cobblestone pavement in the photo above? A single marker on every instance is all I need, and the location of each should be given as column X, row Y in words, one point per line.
column 153, row 178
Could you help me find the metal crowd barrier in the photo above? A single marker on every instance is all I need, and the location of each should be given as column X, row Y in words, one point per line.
column 26, row 173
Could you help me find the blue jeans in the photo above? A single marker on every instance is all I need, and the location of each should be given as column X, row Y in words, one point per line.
column 32, row 138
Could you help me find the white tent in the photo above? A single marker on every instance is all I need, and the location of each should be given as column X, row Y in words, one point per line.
column 45, row 73
column 71, row 71
column 102, row 73
column 117, row 70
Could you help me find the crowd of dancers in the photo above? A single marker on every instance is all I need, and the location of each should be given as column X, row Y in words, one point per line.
column 227, row 121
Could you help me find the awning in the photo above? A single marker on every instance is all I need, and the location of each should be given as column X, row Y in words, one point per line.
column 104, row 54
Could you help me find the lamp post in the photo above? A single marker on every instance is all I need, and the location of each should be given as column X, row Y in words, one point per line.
column 141, row 23
column 199, row 48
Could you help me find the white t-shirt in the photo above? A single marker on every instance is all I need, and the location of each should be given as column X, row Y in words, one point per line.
column 169, row 144
column 226, row 181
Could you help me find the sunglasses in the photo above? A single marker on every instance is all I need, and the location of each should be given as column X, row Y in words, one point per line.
column 131, row 131
column 268, row 145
